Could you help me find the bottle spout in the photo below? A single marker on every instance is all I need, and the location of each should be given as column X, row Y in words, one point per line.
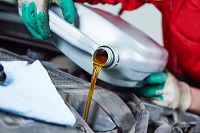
column 111, row 54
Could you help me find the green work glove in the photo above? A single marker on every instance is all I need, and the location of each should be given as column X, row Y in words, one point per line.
column 34, row 14
column 165, row 90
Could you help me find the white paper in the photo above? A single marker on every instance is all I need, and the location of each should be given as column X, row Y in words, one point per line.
column 28, row 91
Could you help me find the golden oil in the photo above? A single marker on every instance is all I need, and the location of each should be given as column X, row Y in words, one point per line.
column 99, row 60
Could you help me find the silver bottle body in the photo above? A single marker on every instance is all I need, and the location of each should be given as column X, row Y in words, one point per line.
column 136, row 55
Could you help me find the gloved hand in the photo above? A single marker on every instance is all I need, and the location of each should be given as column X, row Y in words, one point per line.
column 165, row 90
column 34, row 14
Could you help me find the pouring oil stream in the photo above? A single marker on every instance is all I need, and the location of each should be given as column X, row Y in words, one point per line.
column 99, row 60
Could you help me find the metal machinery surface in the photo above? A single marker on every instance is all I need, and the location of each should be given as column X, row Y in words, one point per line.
column 103, row 115
column 109, row 113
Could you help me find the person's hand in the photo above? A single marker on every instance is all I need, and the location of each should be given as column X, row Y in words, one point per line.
column 34, row 14
column 165, row 90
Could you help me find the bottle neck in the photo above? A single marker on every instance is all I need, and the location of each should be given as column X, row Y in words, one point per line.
column 113, row 57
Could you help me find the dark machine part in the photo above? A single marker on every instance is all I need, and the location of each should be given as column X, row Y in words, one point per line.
column 142, row 117
column 107, row 110
column 2, row 75
column 180, row 122
column 141, row 114
column 35, row 54
column 161, row 127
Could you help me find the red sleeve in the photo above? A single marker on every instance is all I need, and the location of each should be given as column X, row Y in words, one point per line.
column 126, row 4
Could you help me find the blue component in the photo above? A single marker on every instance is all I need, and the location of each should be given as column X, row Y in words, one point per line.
column 137, row 71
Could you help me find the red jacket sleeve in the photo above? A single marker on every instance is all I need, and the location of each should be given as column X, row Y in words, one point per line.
column 126, row 4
